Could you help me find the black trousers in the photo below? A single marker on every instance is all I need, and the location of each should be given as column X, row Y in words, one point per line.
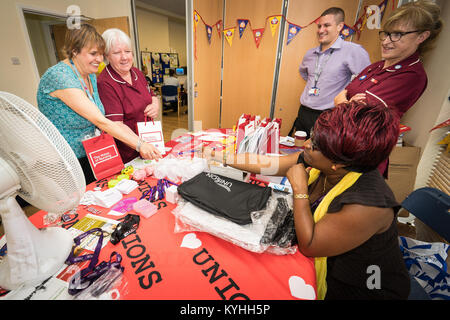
column 306, row 118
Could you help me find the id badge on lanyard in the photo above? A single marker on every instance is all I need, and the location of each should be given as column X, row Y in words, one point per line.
column 315, row 91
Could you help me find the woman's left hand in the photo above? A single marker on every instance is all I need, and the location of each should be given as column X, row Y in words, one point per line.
column 152, row 110
column 298, row 178
column 359, row 97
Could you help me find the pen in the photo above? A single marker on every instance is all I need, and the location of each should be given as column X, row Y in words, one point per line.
column 183, row 152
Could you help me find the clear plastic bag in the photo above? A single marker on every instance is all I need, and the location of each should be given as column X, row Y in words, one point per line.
column 179, row 169
column 189, row 218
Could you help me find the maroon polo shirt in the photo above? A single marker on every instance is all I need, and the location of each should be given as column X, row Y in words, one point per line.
column 398, row 86
column 124, row 102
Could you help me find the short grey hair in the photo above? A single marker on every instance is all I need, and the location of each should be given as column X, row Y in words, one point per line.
column 112, row 35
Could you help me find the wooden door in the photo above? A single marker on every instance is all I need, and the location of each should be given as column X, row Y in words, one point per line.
column 59, row 31
column 207, row 65
column 248, row 71
column 290, row 83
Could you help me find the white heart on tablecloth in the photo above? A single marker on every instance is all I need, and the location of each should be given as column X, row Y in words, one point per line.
column 301, row 290
column 190, row 241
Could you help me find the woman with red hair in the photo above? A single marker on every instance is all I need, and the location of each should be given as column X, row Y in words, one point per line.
column 344, row 212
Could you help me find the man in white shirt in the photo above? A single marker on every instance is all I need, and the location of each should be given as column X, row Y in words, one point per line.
column 171, row 80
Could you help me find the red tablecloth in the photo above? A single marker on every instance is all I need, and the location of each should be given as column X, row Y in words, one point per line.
column 162, row 264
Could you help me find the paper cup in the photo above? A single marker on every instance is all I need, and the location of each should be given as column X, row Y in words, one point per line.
column 300, row 137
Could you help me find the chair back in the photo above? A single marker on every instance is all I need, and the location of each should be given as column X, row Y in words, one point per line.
column 431, row 206
column 169, row 91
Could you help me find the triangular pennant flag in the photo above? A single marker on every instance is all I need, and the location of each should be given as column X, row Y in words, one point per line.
column 274, row 22
column 242, row 23
column 219, row 27
column 229, row 34
column 346, row 32
column 359, row 26
column 382, row 7
column 208, row 32
column 196, row 19
column 442, row 125
column 361, row 23
column 257, row 35
column 293, row 31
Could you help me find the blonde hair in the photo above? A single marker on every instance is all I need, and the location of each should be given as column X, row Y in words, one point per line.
column 422, row 15
column 78, row 38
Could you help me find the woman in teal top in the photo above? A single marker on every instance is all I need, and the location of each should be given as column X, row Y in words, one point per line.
column 68, row 96
column 70, row 124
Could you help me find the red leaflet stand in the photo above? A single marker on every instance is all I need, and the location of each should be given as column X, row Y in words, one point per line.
column 103, row 156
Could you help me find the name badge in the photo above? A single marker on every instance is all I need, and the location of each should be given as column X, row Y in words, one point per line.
column 313, row 91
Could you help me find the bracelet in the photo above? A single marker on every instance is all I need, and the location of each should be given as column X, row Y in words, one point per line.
column 301, row 196
column 224, row 158
column 138, row 146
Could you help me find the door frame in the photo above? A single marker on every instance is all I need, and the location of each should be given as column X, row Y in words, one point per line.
column 21, row 10
column 190, row 62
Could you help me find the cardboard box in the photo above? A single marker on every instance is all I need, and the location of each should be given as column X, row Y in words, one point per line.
column 402, row 172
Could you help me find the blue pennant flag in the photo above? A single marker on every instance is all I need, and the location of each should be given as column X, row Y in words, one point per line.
column 293, row 30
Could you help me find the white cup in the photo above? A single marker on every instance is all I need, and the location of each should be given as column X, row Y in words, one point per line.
column 300, row 137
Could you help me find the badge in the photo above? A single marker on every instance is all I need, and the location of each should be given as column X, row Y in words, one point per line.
column 374, row 80
column 313, row 91
column 398, row 66
column 362, row 77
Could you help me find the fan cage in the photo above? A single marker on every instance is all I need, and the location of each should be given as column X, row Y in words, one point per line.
column 50, row 175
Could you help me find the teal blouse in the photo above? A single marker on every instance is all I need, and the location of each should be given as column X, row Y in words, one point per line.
column 73, row 127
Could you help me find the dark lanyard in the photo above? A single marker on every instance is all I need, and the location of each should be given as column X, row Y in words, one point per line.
column 318, row 69
column 85, row 277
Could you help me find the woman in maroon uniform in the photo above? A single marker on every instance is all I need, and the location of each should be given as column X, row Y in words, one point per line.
column 399, row 79
column 124, row 91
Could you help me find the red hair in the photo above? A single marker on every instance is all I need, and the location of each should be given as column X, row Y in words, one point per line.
column 357, row 134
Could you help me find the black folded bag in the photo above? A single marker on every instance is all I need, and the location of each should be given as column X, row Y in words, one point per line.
column 225, row 197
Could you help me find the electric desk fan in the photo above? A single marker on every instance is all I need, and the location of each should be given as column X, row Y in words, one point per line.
column 38, row 164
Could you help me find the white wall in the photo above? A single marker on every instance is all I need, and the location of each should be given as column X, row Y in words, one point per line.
column 161, row 31
column 433, row 107
column 153, row 31
column 423, row 115
column 23, row 80
column 177, row 40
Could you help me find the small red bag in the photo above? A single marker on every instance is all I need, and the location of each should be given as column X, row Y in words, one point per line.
column 103, row 155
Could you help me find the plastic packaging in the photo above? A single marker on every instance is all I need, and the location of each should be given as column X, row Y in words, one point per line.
column 109, row 286
column 179, row 169
column 262, row 235
column 139, row 175
column 124, row 205
column 126, row 186
column 145, row 208
column 172, row 194
column 108, row 197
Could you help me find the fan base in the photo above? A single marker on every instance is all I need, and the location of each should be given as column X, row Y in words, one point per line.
column 48, row 265
column 33, row 255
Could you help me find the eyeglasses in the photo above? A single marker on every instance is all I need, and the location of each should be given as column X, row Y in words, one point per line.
column 394, row 36
column 314, row 146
